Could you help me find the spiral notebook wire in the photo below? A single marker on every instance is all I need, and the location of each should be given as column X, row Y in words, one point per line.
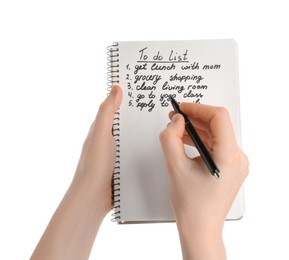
column 113, row 78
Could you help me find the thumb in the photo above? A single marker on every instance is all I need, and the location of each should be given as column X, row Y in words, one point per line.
column 172, row 143
column 107, row 109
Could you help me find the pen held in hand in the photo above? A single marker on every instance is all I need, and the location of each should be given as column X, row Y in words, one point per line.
column 197, row 141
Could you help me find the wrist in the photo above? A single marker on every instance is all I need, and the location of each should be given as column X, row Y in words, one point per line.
column 95, row 198
column 202, row 247
column 202, row 243
column 201, row 239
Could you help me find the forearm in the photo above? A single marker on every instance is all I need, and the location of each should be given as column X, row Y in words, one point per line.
column 200, row 242
column 73, row 227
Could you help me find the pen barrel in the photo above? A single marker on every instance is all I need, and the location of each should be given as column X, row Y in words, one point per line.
column 197, row 141
column 201, row 148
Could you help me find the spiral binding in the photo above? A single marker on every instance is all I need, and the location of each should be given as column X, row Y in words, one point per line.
column 112, row 65
column 113, row 77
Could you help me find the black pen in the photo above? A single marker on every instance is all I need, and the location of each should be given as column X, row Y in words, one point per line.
column 197, row 141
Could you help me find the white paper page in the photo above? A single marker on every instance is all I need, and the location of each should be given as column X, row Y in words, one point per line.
column 203, row 71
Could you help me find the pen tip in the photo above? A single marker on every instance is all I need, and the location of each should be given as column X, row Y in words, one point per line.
column 217, row 175
column 173, row 101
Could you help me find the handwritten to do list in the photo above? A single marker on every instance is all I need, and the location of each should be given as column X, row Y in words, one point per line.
column 155, row 75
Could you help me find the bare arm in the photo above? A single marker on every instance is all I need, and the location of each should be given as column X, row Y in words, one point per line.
column 73, row 227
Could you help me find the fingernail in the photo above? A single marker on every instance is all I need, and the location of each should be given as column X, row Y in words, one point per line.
column 113, row 91
column 175, row 118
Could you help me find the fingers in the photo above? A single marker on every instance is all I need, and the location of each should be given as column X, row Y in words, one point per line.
column 202, row 129
column 197, row 123
column 201, row 126
column 217, row 120
column 205, row 139
column 172, row 144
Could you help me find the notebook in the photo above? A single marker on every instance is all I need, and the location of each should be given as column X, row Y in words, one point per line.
column 200, row 71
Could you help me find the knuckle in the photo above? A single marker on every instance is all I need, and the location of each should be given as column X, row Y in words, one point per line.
column 245, row 163
column 102, row 108
column 222, row 112
column 165, row 134
column 241, row 161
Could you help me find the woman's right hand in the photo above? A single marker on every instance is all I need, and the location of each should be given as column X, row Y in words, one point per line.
column 200, row 202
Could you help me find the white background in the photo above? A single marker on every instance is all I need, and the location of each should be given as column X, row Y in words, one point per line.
column 53, row 78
